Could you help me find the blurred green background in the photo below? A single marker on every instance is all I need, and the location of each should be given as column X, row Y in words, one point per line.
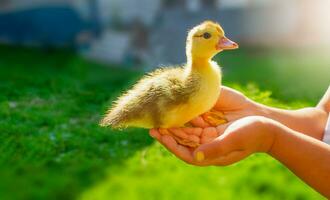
column 52, row 147
column 54, row 91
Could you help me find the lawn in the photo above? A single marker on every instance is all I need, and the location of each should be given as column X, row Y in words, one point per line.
column 52, row 147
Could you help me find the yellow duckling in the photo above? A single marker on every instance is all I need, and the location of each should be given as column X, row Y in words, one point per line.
column 171, row 97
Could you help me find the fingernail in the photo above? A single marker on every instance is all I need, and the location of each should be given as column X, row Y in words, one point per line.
column 199, row 156
column 152, row 134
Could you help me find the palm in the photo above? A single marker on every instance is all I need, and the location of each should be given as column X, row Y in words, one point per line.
column 232, row 103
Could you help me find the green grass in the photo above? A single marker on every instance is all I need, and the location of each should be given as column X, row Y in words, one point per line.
column 52, row 148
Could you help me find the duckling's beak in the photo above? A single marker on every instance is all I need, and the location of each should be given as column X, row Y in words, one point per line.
column 226, row 44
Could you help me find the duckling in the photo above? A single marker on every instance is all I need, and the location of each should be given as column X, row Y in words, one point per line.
column 172, row 96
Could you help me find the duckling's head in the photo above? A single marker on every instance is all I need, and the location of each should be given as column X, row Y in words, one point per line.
column 206, row 40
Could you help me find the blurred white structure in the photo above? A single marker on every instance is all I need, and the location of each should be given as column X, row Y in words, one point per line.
column 128, row 11
column 155, row 30
column 110, row 47
column 295, row 23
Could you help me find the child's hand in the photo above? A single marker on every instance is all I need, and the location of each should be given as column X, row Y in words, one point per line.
column 240, row 139
column 233, row 103
column 237, row 141
column 310, row 121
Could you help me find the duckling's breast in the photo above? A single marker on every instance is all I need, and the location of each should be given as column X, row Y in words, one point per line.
column 202, row 96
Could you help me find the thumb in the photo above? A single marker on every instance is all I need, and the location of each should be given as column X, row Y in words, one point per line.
column 222, row 127
column 219, row 147
column 210, row 133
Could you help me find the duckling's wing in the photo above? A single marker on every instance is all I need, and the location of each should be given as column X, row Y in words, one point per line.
column 139, row 106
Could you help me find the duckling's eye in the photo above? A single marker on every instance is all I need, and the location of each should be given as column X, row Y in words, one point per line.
column 206, row 35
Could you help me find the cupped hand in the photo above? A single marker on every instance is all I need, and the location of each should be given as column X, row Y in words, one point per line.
column 234, row 104
column 233, row 142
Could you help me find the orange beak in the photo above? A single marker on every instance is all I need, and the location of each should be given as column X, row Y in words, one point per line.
column 226, row 44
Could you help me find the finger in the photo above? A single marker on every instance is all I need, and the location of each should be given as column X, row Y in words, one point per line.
column 224, row 91
column 164, row 131
column 179, row 133
column 221, row 128
column 199, row 122
column 208, row 134
column 184, row 138
column 154, row 134
column 178, row 150
column 226, row 96
column 182, row 152
column 189, row 142
column 214, row 149
column 231, row 158
column 193, row 130
column 194, row 139
column 233, row 115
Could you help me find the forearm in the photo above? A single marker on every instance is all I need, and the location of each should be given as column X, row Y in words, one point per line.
column 324, row 104
column 308, row 158
column 309, row 121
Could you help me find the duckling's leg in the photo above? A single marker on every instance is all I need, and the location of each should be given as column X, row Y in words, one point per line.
column 214, row 117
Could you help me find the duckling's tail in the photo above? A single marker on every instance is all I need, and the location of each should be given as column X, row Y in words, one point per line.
column 114, row 119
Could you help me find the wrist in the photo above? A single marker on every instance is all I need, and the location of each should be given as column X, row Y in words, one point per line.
column 269, row 131
column 279, row 132
column 309, row 121
column 315, row 121
column 320, row 121
column 259, row 109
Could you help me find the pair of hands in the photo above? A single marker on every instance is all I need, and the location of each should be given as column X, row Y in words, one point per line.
column 228, row 143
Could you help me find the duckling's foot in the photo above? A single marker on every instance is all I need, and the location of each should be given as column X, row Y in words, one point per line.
column 183, row 141
column 187, row 142
column 188, row 124
column 214, row 117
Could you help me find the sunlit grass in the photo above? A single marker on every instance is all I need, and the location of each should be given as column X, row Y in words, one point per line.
column 52, row 148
